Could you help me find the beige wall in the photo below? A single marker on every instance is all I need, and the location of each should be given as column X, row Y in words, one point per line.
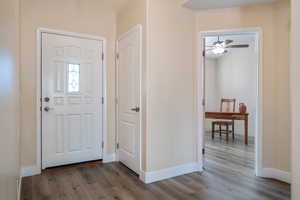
column 95, row 17
column 9, row 99
column 135, row 13
column 171, row 138
column 274, row 20
column 295, row 99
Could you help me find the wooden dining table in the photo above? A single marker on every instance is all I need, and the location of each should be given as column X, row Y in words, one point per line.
column 231, row 116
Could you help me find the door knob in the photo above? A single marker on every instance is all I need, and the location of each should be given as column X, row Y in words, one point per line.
column 136, row 109
column 47, row 109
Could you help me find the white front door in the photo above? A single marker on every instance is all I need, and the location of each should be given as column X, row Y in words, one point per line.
column 128, row 84
column 71, row 100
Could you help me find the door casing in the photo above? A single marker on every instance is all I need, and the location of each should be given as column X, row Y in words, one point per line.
column 139, row 29
column 38, row 166
column 259, row 102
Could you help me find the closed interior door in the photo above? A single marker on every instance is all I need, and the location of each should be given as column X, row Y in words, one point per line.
column 128, row 125
column 71, row 100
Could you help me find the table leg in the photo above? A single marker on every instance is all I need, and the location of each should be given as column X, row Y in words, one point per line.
column 227, row 132
column 246, row 131
column 213, row 131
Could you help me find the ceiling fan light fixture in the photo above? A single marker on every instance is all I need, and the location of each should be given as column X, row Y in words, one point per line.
column 220, row 45
column 218, row 50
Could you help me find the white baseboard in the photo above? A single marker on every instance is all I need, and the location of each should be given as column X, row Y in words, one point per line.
column 150, row 177
column 109, row 158
column 34, row 170
column 30, row 171
column 275, row 174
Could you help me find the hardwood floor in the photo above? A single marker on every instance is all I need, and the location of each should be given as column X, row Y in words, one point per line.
column 233, row 154
column 228, row 175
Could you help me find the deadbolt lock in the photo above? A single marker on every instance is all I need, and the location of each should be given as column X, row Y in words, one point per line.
column 46, row 99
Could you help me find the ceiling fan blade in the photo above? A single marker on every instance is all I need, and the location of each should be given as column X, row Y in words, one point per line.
column 238, row 46
column 228, row 42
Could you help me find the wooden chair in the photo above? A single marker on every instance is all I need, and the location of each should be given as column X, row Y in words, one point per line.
column 227, row 105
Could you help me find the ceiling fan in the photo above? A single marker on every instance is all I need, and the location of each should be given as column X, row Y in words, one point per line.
column 220, row 47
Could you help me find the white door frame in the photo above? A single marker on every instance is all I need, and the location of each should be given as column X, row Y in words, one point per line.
column 40, row 31
column 259, row 102
column 135, row 28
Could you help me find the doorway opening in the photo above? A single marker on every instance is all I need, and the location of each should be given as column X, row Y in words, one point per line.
column 231, row 70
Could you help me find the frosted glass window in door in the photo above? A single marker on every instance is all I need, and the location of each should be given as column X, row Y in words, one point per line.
column 73, row 78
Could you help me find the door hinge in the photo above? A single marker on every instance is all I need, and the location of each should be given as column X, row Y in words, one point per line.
column 117, row 56
column 203, row 53
column 102, row 100
column 41, row 108
column 102, row 145
column 118, row 146
column 102, row 56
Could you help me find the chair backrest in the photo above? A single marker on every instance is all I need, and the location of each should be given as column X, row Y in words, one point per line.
column 227, row 105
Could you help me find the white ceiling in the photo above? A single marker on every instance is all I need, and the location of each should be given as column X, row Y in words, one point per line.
column 211, row 4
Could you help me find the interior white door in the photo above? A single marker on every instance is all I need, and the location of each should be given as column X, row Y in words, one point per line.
column 72, row 107
column 128, row 123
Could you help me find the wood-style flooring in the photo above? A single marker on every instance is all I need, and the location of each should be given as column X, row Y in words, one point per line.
column 232, row 154
column 228, row 175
